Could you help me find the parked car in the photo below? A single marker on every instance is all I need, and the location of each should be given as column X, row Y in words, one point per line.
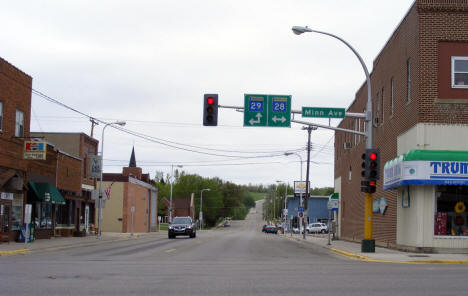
column 182, row 226
column 227, row 224
column 317, row 228
column 271, row 229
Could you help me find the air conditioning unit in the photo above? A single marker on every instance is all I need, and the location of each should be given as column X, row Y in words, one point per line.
column 346, row 145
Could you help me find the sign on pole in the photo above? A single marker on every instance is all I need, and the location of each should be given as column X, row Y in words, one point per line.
column 333, row 202
column 255, row 110
column 323, row 112
column 267, row 110
column 279, row 111
column 95, row 166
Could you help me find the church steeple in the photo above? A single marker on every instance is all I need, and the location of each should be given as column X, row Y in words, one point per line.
column 132, row 163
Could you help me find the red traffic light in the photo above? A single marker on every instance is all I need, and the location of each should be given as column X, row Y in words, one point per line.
column 373, row 156
column 210, row 100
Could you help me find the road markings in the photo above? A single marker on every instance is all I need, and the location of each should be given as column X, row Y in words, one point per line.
column 171, row 250
column 20, row 251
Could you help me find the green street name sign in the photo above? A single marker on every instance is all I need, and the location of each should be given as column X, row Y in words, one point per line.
column 267, row 110
column 323, row 112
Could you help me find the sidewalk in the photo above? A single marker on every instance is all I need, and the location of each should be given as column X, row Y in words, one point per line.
column 67, row 242
column 353, row 250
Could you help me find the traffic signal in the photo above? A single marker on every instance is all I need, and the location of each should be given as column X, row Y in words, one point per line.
column 368, row 186
column 210, row 110
column 371, row 164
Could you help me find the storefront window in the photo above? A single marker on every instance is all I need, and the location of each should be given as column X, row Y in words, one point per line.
column 43, row 216
column 17, row 212
column 451, row 217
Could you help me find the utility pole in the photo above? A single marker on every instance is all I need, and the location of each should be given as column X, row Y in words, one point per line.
column 306, row 199
column 93, row 123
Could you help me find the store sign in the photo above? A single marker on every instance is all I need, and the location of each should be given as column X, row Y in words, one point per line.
column 35, row 150
column 6, row 195
column 299, row 187
column 423, row 172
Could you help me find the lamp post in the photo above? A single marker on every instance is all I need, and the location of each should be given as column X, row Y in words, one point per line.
column 201, row 203
column 121, row 123
column 172, row 181
column 285, row 191
column 301, row 203
column 368, row 244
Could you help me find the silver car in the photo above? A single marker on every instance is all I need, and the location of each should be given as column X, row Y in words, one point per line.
column 317, row 228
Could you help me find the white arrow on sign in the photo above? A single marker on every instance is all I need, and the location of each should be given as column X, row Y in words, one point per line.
column 259, row 116
column 282, row 119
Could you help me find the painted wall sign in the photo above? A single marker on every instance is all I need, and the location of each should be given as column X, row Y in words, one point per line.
column 380, row 206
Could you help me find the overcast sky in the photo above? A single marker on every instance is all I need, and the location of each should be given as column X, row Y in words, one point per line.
column 150, row 62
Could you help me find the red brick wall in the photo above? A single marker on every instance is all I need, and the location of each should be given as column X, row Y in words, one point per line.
column 417, row 39
column 15, row 93
column 69, row 173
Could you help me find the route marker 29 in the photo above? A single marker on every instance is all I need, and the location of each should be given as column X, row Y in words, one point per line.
column 267, row 110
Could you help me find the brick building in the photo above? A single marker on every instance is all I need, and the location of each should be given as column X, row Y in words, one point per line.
column 81, row 146
column 132, row 202
column 15, row 114
column 54, row 185
column 182, row 207
column 420, row 102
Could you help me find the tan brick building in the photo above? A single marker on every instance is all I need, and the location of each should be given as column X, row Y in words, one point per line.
column 132, row 204
column 420, row 102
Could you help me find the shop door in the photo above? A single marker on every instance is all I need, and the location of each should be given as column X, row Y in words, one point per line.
column 5, row 221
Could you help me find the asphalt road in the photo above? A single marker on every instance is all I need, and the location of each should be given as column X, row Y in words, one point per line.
column 239, row 260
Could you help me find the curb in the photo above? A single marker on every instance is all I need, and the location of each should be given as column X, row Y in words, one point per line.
column 364, row 258
column 13, row 252
column 368, row 259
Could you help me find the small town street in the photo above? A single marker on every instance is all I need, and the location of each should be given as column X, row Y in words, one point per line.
column 237, row 260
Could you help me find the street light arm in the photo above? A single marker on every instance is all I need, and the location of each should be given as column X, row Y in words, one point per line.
column 299, row 30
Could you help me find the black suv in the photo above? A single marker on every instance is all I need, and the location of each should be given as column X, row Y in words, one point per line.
column 182, row 226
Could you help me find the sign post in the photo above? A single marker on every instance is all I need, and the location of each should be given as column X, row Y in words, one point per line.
column 27, row 221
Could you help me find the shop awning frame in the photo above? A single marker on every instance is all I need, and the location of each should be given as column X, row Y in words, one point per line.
column 40, row 190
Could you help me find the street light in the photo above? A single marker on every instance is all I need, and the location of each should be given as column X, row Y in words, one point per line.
column 368, row 244
column 121, row 123
column 285, row 191
column 201, row 203
column 172, row 181
column 301, row 202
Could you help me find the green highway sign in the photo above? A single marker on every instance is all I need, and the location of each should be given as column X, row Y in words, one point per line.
column 323, row 112
column 279, row 111
column 267, row 110
column 255, row 110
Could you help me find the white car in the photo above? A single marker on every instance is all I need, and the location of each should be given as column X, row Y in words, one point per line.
column 317, row 228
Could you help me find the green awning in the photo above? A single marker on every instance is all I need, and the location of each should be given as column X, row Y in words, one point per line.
column 40, row 190
column 435, row 155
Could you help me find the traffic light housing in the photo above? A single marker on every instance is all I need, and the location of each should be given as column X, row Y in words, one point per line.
column 368, row 186
column 371, row 164
column 210, row 110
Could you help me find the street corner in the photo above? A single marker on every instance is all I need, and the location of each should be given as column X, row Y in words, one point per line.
column 14, row 252
column 349, row 254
